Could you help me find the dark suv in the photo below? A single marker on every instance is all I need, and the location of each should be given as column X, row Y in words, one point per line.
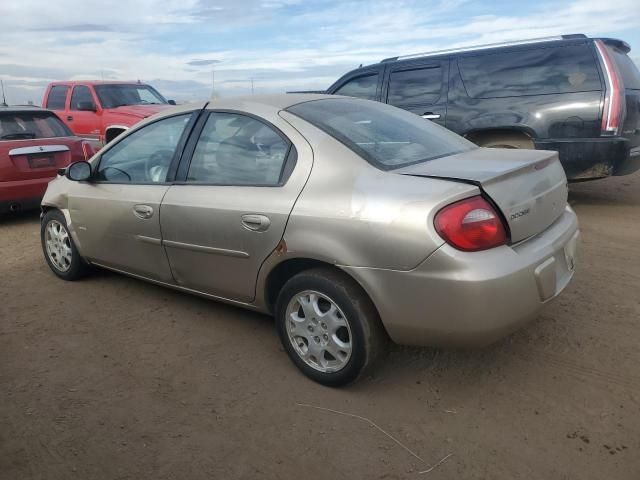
column 577, row 95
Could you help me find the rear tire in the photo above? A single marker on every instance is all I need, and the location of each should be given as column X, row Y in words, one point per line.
column 58, row 248
column 329, row 326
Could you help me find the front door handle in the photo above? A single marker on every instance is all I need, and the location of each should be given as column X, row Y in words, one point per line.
column 256, row 223
column 143, row 211
column 69, row 118
column 431, row 116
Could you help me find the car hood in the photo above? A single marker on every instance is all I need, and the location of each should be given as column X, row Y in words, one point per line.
column 139, row 111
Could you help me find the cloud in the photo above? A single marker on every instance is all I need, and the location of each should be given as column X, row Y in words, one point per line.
column 200, row 63
column 281, row 44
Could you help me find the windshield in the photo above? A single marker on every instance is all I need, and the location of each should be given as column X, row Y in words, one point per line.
column 385, row 136
column 28, row 125
column 112, row 96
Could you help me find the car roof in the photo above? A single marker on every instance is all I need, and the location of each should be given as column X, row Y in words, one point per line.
column 21, row 108
column 97, row 82
column 278, row 101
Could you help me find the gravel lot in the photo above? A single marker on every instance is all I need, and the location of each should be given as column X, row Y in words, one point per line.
column 113, row 378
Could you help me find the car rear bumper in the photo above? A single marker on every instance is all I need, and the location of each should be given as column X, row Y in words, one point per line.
column 459, row 298
column 25, row 194
column 591, row 158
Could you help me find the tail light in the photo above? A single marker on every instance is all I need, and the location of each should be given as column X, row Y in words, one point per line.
column 613, row 111
column 470, row 225
column 87, row 150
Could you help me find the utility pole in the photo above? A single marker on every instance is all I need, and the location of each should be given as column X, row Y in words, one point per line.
column 4, row 99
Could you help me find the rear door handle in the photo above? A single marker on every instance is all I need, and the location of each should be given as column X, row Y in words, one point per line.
column 431, row 116
column 143, row 211
column 256, row 223
column 69, row 118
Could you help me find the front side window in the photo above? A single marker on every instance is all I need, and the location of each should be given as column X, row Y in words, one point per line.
column 234, row 149
column 360, row 87
column 117, row 95
column 57, row 97
column 538, row 71
column 417, row 86
column 81, row 95
column 145, row 155
column 385, row 136
column 28, row 125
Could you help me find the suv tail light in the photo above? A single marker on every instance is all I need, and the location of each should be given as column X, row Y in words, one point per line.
column 613, row 111
column 471, row 225
column 87, row 150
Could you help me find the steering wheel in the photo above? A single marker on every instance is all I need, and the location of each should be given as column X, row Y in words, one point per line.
column 156, row 166
column 117, row 170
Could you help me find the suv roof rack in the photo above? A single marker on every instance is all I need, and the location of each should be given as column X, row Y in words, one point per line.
column 489, row 45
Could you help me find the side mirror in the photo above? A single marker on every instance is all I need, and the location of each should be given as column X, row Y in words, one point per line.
column 79, row 171
column 171, row 102
column 87, row 106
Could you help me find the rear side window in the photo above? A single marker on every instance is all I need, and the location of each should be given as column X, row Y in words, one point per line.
column 626, row 67
column 235, row 149
column 57, row 97
column 81, row 94
column 530, row 72
column 385, row 136
column 28, row 125
column 360, row 87
column 417, row 86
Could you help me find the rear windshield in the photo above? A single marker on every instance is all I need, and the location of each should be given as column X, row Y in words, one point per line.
column 626, row 67
column 539, row 71
column 27, row 125
column 385, row 136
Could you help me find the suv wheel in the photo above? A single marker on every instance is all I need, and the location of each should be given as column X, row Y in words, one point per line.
column 328, row 326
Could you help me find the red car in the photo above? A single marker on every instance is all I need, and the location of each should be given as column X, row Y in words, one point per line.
column 34, row 144
column 100, row 111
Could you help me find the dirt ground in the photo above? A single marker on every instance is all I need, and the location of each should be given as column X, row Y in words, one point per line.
column 113, row 378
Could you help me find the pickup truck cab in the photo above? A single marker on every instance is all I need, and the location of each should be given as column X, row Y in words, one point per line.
column 101, row 110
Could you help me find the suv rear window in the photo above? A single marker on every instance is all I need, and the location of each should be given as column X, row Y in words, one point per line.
column 385, row 136
column 57, row 97
column 538, row 71
column 28, row 125
column 626, row 67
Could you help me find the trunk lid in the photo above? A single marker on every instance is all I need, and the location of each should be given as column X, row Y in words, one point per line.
column 528, row 186
column 32, row 159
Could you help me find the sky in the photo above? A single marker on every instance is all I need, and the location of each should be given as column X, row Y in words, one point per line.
column 183, row 46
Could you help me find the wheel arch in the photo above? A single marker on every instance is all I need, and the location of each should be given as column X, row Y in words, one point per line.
column 112, row 131
column 523, row 132
column 286, row 269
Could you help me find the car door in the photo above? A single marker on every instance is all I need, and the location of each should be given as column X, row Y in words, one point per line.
column 57, row 101
column 241, row 177
column 420, row 87
column 116, row 215
column 83, row 113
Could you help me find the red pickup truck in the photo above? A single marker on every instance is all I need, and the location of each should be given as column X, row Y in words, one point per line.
column 99, row 110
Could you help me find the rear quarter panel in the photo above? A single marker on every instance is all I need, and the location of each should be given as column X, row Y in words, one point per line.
column 350, row 213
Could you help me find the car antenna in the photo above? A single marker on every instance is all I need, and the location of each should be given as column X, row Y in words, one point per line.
column 4, row 99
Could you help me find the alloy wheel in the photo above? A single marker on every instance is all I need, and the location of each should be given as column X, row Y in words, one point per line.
column 58, row 245
column 318, row 331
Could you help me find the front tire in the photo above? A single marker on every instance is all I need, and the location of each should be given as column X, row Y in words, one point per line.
column 329, row 326
column 59, row 250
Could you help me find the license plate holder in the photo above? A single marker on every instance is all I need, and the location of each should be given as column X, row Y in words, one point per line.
column 41, row 161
